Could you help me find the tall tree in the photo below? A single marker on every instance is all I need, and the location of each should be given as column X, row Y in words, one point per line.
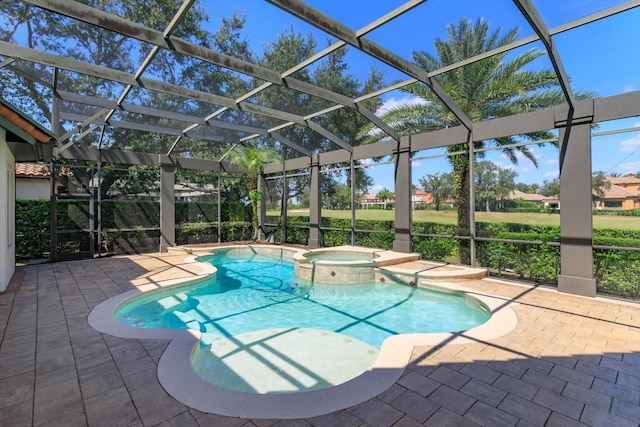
column 486, row 89
column 528, row 188
column 332, row 73
column 550, row 188
column 385, row 194
column 492, row 183
column 600, row 184
column 440, row 186
column 40, row 29
column 251, row 160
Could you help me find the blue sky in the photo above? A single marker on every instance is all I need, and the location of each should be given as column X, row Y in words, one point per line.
column 603, row 57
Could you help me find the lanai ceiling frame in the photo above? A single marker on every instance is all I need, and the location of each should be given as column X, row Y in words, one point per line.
column 165, row 40
column 357, row 39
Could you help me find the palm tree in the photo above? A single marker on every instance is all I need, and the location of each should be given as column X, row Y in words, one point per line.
column 485, row 89
column 251, row 160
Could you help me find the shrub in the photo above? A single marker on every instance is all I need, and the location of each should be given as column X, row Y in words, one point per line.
column 33, row 229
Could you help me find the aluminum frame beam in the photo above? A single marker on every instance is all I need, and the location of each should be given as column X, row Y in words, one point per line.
column 125, row 27
column 127, row 78
column 532, row 16
column 200, row 134
column 177, row 18
column 156, row 112
column 344, row 33
column 604, row 109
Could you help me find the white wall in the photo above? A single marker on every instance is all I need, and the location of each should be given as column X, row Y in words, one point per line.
column 7, row 213
column 33, row 188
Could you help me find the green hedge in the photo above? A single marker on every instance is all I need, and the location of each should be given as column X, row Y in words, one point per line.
column 124, row 223
column 33, row 229
column 616, row 272
column 128, row 226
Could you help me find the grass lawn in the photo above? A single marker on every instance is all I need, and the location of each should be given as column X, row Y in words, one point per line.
column 449, row 217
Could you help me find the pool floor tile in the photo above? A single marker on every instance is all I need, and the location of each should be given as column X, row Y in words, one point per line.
column 570, row 360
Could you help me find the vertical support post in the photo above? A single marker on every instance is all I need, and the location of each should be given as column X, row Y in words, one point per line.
column 219, row 204
column 167, row 203
column 353, row 201
column 92, row 215
column 315, row 238
column 285, row 200
column 576, row 222
column 262, row 207
column 404, row 208
column 98, row 188
column 53, row 218
column 472, row 202
column 53, row 197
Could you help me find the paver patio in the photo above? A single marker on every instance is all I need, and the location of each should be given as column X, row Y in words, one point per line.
column 570, row 360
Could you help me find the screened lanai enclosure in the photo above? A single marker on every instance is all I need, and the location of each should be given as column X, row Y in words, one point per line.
column 400, row 125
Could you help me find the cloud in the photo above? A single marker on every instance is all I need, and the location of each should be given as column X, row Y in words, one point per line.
column 551, row 175
column 523, row 167
column 416, row 164
column 629, row 167
column 392, row 103
column 552, row 162
column 630, row 145
column 504, row 165
column 628, row 88
column 376, row 189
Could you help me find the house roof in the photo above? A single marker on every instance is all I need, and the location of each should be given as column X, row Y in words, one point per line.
column 532, row 197
column 15, row 120
column 32, row 170
column 629, row 179
column 426, row 198
column 617, row 192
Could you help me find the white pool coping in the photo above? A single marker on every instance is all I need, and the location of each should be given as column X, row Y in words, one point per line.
column 180, row 380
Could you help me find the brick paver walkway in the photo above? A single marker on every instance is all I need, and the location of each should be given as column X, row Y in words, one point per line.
column 570, row 361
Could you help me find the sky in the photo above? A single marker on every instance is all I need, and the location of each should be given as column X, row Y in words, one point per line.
column 602, row 57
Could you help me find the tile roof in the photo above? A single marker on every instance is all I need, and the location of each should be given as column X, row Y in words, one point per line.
column 517, row 194
column 629, row 179
column 32, row 170
column 22, row 121
column 617, row 192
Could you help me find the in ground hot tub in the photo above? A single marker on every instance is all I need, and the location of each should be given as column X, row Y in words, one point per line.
column 345, row 264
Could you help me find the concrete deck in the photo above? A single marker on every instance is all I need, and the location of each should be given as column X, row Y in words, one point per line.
column 570, row 360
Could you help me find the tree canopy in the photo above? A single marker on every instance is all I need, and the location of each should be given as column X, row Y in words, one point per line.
column 493, row 87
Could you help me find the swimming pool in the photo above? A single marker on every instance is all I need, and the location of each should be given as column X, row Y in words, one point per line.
column 251, row 292
column 254, row 292
column 308, row 371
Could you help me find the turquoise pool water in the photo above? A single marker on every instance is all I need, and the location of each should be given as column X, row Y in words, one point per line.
column 254, row 292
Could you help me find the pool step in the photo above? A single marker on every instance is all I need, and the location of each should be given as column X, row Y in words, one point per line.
column 429, row 270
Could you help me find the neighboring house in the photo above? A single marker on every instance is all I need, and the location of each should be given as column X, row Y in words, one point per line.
column 419, row 196
column 538, row 199
column 422, row 197
column 623, row 194
column 372, row 200
column 32, row 181
column 548, row 202
column 552, row 203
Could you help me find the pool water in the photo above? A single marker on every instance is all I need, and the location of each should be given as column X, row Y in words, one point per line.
column 253, row 292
